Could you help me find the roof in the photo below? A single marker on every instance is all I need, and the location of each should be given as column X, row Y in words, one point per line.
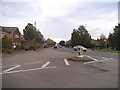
column 8, row 29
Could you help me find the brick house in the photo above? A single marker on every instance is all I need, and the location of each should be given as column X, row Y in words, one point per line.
column 13, row 33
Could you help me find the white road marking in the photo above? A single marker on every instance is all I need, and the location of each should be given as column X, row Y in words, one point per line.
column 66, row 62
column 11, row 68
column 45, row 65
column 90, row 62
column 97, row 61
column 21, row 64
column 92, row 58
column 105, row 58
column 8, row 66
column 27, row 70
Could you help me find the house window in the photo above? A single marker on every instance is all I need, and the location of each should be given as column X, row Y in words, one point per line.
column 16, row 35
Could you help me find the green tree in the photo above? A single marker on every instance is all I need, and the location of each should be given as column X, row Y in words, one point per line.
column 103, row 41
column 68, row 43
column 114, row 38
column 50, row 42
column 81, row 36
column 62, row 43
column 39, row 37
column 7, row 43
column 29, row 32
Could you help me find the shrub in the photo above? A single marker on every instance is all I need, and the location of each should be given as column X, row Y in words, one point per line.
column 7, row 43
column 18, row 46
column 34, row 47
column 7, row 50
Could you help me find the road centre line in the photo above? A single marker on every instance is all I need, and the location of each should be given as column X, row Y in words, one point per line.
column 12, row 68
column 66, row 62
column 45, row 65
column 27, row 70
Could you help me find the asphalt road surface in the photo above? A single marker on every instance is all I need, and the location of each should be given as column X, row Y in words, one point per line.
column 90, row 52
column 48, row 68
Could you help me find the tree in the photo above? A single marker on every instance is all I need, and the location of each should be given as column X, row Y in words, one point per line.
column 114, row 38
column 75, row 38
column 50, row 42
column 62, row 43
column 103, row 41
column 81, row 36
column 39, row 37
column 68, row 43
column 7, row 43
column 29, row 32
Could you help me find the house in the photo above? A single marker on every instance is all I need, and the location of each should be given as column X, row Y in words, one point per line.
column 97, row 43
column 13, row 33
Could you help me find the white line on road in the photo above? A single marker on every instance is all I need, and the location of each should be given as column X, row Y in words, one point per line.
column 21, row 64
column 106, row 58
column 96, row 61
column 92, row 58
column 45, row 65
column 90, row 62
column 11, row 68
column 66, row 62
column 28, row 70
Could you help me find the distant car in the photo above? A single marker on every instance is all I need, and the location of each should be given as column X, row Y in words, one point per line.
column 78, row 47
column 55, row 46
column 60, row 46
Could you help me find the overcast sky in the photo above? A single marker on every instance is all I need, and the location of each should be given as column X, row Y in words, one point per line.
column 57, row 18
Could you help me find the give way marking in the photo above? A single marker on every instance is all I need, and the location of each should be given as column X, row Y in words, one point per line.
column 44, row 66
column 12, row 68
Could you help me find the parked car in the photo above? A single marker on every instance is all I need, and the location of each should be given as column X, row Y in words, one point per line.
column 26, row 48
column 55, row 46
column 78, row 47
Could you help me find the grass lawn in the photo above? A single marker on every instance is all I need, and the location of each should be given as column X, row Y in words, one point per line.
column 110, row 51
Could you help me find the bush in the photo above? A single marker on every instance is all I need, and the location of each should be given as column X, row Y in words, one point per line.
column 7, row 50
column 18, row 47
column 7, row 43
column 34, row 47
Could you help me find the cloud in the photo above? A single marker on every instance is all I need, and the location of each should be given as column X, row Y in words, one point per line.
column 57, row 18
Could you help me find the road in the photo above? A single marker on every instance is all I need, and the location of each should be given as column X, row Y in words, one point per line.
column 92, row 53
column 46, row 68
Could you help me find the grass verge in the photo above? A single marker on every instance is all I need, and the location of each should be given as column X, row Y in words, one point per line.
column 110, row 51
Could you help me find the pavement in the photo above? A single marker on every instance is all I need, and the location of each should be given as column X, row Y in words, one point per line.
column 49, row 68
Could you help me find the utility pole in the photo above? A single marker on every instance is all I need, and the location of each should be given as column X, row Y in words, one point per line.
column 35, row 29
column 35, row 24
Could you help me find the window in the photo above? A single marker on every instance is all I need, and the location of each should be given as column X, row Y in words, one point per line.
column 16, row 36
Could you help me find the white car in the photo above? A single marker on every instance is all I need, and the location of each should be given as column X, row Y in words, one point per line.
column 78, row 47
